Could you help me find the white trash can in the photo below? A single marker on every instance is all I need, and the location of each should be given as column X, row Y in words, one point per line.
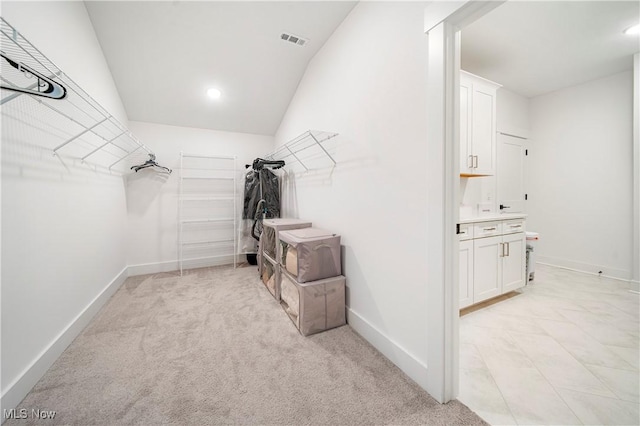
column 532, row 239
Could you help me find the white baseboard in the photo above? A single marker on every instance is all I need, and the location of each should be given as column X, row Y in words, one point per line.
column 174, row 265
column 412, row 367
column 586, row 268
column 17, row 390
column 153, row 268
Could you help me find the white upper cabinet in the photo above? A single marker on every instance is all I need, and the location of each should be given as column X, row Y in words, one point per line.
column 477, row 125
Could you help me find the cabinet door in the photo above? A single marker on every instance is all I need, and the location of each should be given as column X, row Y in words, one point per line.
column 487, row 268
column 466, row 273
column 513, row 264
column 465, row 124
column 483, row 110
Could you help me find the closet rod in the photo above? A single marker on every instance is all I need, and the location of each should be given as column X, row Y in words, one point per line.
column 213, row 157
column 207, row 177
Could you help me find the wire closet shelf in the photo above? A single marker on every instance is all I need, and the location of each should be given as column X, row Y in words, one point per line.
column 309, row 150
column 43, row 106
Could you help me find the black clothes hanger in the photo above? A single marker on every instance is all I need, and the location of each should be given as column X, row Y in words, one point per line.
column 260, row 163
column 43, row 87
column 151, row 162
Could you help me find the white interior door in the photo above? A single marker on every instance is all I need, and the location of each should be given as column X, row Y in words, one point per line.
column 511, row 192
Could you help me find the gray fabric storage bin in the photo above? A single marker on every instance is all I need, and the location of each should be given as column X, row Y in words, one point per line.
column 268, row 277
column 271, row 229
column 314, row 306
column 310, row 254
column 270, row 248
column 259, row 256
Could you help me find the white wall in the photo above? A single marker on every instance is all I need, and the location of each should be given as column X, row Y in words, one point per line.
column 368, row 84
column 152, row 198
column 63, row 230
column 635, row 275
column 580, row 194
column 512, row 113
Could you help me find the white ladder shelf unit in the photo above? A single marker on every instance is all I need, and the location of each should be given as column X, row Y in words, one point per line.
column 207, row 203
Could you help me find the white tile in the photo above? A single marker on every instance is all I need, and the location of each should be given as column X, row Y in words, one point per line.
column 564, row 295
column 625, row 301
column 598, row 354
column 625, row 384
column 631, row 355
column 556, row 302
column 528, row 308
column 583, row 347
column 494, row 418
column 531, row 399
column 598, row 410
column 609, row 314
column 566, row 333
column 495, row 319
column 607, row 334
column 470, row 358
column 501, row 357
column 482, row 336
column 479, row 392
column 558, row 366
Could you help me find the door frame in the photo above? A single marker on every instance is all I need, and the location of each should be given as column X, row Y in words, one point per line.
column 443, row 22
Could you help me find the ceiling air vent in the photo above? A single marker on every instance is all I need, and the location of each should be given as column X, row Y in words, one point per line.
column 300, row 41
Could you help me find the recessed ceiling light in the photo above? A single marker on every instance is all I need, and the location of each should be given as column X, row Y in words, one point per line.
column 633, row 30
column 214, row 93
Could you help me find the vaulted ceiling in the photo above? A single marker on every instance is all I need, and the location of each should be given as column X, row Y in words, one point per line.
column 164, row 55
column 535, row 47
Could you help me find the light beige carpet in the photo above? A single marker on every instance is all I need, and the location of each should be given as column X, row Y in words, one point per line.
column 213, row 347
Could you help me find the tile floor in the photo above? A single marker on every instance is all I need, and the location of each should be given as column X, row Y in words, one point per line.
column 564, row 351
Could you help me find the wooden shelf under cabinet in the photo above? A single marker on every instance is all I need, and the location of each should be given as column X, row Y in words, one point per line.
column 469, row 175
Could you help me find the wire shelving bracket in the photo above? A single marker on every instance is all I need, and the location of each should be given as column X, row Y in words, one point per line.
column 305, row 149
column 43, row 106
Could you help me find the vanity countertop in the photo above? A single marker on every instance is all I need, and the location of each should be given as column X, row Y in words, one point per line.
column 493, row 217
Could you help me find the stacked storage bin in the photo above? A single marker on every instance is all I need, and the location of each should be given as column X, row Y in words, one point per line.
column 312, row 287
column 269, row 250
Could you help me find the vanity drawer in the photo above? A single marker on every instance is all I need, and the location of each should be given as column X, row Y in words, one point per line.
column 466, row 231
column 513, row 226
column 487, row 229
